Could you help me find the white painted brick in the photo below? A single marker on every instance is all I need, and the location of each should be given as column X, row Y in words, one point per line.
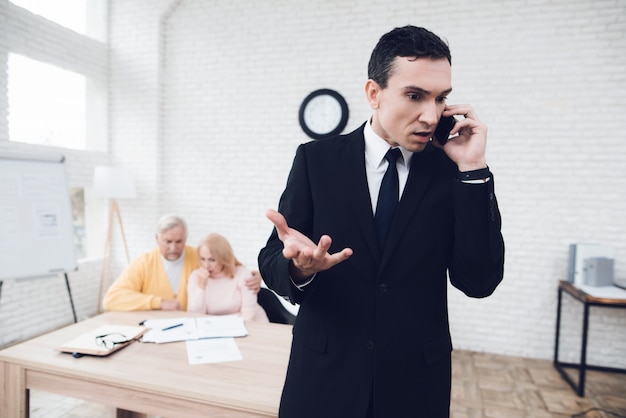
column 204, row 100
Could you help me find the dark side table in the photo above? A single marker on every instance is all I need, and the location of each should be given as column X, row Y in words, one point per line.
column 587, row 301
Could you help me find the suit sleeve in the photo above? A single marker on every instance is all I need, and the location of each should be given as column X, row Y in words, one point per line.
column 478, row 256
column 296, row 206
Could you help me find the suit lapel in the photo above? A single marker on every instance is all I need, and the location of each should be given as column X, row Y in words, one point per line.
column 416, row 185
column 354, row 178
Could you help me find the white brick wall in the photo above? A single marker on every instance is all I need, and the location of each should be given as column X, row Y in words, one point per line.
column 204, row 101
column 32, row 306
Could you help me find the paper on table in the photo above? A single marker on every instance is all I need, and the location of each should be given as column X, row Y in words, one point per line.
column 194, row 328
column 215, row 350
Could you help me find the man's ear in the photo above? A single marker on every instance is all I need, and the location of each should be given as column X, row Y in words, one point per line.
column 372, row 91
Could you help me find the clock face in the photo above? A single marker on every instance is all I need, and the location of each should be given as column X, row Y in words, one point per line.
column 323, row 113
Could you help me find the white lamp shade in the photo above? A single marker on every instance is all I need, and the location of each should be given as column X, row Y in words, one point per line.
column 113, row 183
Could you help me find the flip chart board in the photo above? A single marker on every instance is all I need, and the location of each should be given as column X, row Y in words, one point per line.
column 36, row 227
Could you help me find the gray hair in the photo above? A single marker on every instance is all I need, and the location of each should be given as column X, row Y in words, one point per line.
column 168, row 222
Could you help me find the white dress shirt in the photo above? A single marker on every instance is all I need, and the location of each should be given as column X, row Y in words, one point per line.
column 376, row 164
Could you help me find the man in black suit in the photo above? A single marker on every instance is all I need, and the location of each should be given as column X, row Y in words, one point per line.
column 371, row 338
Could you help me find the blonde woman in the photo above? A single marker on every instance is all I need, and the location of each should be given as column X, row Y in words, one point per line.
column 218, row 287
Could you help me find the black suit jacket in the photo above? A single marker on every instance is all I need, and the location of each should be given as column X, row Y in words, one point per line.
column 376, row 325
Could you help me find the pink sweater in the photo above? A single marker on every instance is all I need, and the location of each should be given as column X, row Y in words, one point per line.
column 225, row 295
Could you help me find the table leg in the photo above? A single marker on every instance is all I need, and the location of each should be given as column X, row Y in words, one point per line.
column 583, row 353
column 13, row 392
column 557, row 332
column 122, row 413
column 560, row 367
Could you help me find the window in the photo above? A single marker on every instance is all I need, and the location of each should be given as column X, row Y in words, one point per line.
column 86, row 17
column 46, row 104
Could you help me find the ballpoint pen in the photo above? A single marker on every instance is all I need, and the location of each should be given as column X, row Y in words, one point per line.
column 172, row 326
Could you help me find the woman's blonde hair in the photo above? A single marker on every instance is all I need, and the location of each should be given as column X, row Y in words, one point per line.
column 222, row 252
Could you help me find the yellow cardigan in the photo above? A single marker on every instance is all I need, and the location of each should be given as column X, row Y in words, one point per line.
column 143, row 284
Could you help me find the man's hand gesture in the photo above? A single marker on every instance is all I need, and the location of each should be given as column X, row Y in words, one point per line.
column 306, row 257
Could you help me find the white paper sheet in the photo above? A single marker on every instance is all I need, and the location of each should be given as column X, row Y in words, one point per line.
column 190, row 328
column 215, row 350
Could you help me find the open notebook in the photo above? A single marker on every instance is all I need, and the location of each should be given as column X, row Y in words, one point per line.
column 103, row 340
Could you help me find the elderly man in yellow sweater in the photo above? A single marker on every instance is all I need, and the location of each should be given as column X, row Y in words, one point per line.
column 149, row 282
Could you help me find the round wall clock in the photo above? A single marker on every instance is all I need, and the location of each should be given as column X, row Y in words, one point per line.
column 323, row 113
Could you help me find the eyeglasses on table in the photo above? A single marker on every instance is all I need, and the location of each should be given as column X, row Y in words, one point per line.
column 109, row 341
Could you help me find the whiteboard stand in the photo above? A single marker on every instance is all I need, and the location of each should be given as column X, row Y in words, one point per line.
column 69, row 292
column 105, row 277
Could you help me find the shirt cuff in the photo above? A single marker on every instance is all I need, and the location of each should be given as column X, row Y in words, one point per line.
column 302, row 285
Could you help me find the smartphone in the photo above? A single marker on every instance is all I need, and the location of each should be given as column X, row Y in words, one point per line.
column 442, row 132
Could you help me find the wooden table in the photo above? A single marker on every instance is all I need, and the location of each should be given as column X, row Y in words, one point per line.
column 150, row 378
column 587, row 301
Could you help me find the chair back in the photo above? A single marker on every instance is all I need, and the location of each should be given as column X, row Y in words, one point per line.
column 275, row 310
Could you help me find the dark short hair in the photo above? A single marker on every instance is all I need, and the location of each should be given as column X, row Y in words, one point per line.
column 406, row 41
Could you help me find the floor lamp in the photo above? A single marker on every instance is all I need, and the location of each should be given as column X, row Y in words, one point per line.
column 112, row 183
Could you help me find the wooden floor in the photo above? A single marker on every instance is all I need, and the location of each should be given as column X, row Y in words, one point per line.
column 483, row 386
column 489, row 386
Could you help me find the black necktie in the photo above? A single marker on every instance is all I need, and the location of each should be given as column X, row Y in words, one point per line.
column 387, row 197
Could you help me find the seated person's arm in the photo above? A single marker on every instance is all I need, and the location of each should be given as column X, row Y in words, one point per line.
column 254, row 282
column 125, row 294
column 196, row 290
column 250, row 308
